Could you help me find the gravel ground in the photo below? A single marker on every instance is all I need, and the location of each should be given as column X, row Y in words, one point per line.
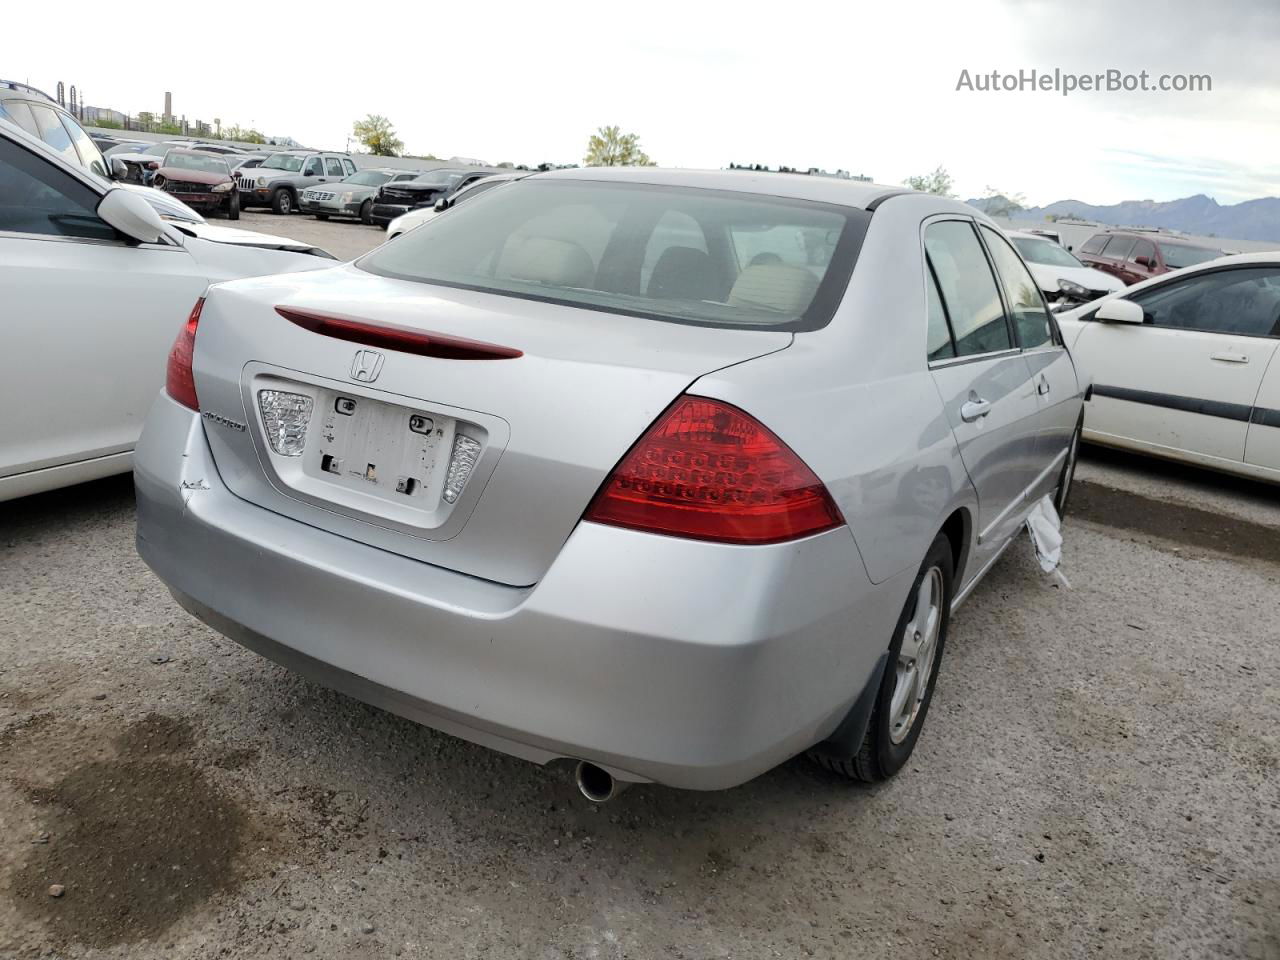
column 1099, row 776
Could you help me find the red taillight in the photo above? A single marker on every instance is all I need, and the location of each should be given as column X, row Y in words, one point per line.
column 708, row 471
column 179, row 381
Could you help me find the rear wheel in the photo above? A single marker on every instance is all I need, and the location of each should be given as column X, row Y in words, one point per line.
column 366, row 210
column 282, row 201
column 1063, row 492
column 915, row 654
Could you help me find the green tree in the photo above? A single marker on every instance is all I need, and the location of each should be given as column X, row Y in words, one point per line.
column 377, row 134
column 610, row 147
column 242, row 134
column 997, row 203
column 938, row 182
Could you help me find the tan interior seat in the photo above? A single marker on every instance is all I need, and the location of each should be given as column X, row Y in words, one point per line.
column 780, row 287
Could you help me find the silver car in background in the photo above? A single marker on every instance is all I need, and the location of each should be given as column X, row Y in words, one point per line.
column 352, row 197
column 674, row 474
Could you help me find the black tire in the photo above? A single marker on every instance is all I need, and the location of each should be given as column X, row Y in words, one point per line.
column 366, row 213
column 282, row 201
column 1062, row 494
column 880, row 757
column 321, row 216
column 233, row 207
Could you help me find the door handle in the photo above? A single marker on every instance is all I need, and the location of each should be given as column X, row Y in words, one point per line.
column 1042, row 385
column 975, row 408
column 1230, row 357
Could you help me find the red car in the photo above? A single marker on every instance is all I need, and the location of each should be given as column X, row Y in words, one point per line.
column 200, row 180
column 1135, row 256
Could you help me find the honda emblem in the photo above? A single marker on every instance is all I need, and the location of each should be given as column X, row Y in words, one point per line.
column 366, row 366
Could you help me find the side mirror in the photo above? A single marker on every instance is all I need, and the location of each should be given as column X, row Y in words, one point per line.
column 132, row 215
column 441, row 205
column 119, row 169
column 1120, row 311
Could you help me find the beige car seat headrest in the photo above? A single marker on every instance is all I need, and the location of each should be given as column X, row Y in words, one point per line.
column 780, row 287
column 561, row 263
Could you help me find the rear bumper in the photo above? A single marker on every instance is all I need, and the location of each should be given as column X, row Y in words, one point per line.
column 695, row 665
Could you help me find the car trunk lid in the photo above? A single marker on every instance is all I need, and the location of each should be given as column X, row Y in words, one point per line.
column 535, row 433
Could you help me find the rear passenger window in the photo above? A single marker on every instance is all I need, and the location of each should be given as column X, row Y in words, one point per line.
column 20, row 113
column 1118, row 247
column 335, row 167
column 1030, row 316
column 940, row 344
column 968, row 288
column 1095, row 243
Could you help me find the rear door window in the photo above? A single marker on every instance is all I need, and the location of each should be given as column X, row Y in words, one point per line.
column 1118, row 247
column 20, row 113
column 1030, row 316
column 1094, row 244
column 334, row 166
column 968, row 288
column 1143, row 248
column 348, row 166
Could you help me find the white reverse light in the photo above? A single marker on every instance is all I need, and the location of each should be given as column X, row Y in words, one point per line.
column 461, row 462
column 286, row 416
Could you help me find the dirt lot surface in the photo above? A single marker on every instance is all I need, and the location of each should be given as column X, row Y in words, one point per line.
column 1099, row 776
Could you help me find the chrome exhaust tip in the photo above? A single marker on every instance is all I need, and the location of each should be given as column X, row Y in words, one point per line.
column 597, row 784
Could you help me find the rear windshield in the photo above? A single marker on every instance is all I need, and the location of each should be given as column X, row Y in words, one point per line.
column 288, row 162
column 1179, row 255
column 1044, row 252
column 686, row 255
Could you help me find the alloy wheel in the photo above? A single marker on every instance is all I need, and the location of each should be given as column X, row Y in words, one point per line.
column 916, row 656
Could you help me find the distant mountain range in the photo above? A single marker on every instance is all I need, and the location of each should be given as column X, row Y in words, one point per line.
column 1250, row 220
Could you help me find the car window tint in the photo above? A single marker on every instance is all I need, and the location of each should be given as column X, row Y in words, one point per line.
column 678, row 244
column 940, row 344
column 1118, row 247
column 54, row 133
column 968, row 288
column 1030, row 316
column 314, row 168
column 20, row 113
column 334, row 166
column 1143, row 248
column 1236, row 302
column 1095, row 243
column 36, row 197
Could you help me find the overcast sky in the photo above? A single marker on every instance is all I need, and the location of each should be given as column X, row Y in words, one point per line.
column 869, row 87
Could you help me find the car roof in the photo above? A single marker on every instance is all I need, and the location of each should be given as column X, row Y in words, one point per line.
column 799, row 186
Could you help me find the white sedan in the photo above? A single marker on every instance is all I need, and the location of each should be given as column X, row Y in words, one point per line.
column 96, row 286
column 1060, row 276
column 1184, row 365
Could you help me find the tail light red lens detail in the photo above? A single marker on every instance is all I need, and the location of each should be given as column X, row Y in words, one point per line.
column 708, row 471
column 179, row 381
column 424, row 343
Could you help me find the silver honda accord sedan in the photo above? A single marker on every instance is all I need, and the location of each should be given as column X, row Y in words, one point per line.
column 673, row 474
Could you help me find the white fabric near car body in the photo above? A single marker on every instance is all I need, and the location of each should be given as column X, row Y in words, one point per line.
column 1045, row 527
